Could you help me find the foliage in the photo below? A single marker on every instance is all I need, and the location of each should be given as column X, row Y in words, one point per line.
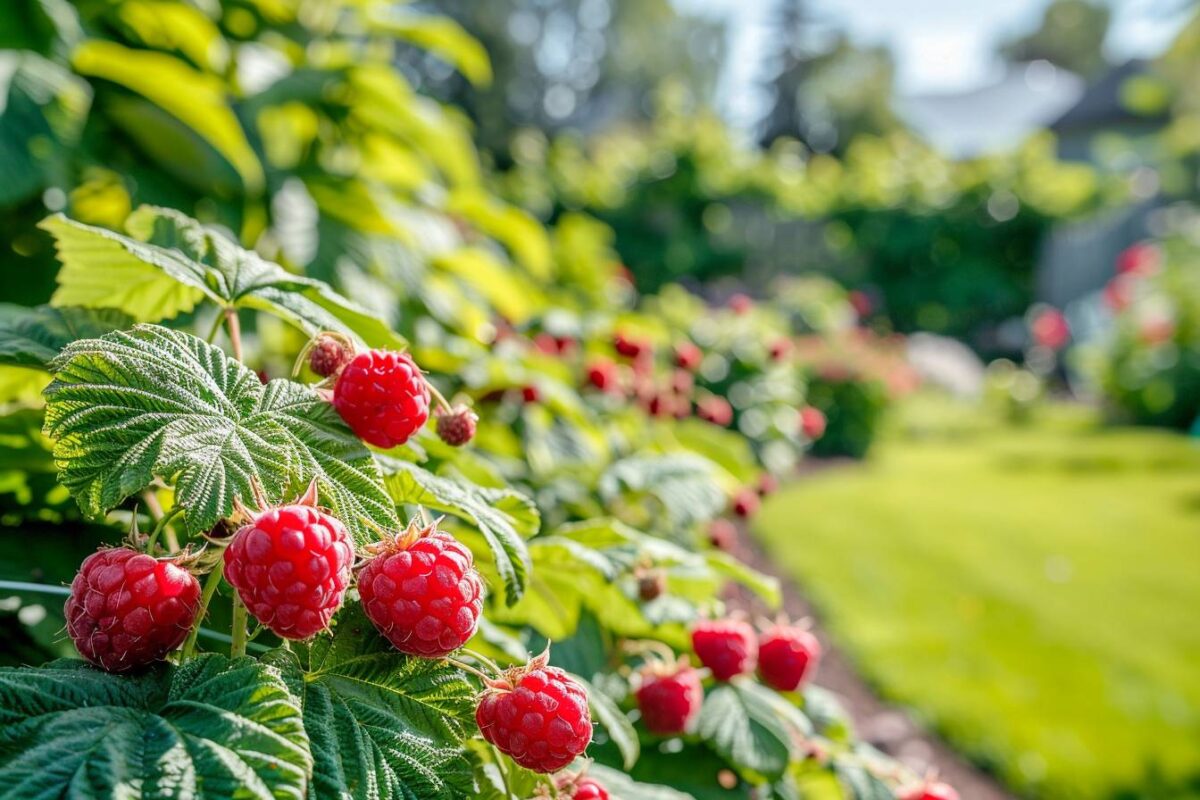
column 975, row 547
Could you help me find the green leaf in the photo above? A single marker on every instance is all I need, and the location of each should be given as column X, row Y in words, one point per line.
column 382, row 725
column 196, row 100
column 684, row 484
column 504, row 517
column 444, row 38
column 619, row 785
column 172, row 255
column 33, row 337
column 861, row 784
column 744, row 727
column 210, row 728
column 132, row 406
column 609, row 716
column 43, row 108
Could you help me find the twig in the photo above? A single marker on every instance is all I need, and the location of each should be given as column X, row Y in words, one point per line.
column 210, row 587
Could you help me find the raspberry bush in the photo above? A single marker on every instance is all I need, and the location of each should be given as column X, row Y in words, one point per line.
column 374, row 638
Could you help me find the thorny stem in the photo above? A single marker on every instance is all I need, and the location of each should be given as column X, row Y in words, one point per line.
column 235, row 331
column 482, row 659
column 478, row 673
column 237, row 647
column 210, row 588
column 156, row 511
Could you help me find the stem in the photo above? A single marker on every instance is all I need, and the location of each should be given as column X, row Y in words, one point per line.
column 503, row 772
column 483, row 676
column 482, row 659
column 441, row 399
column 235, row 331
column 156, row 512
column 38, row 588
column 210, row 588
column 216, row 326
column 160, row 527
column 237, row 646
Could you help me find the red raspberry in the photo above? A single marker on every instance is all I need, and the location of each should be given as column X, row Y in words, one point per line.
column 456, row 427
column 422, row 592
column 722, row 534
column 727, row 647
column 630, row 347
column 589, row 789
column 669, row 697
column 688, row 356
column 291, row 566
column 929, row 790
column 787, row 657
column 740, row 303
column 602, row 374
column 1050, row 329
column 530, row 394
column 715, row 409
column 745, row 503
column 128, row 609
column 682, row 382
column 812, row 422
column 767, row 484
column 537, row 715
column 383, row 397
column 329, row 353
column 780, row 349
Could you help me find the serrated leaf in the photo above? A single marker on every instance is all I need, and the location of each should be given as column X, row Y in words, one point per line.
column 150, row 403
column 504, row 517
column 621, row 787
column 171, row 261
column 613, row 720
column 684, row 484
column 33, row 337
column 382, row 725
column 210, row 728
column 745, row 729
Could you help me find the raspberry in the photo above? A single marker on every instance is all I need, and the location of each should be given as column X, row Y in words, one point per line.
column 715, row 409
column 128, row 609
column 812, row 422
column 780, row 349
column 383, row 397
column 422, row 592
column 456, row 427
column 630, row 347
column 589, row 789
column 536, row 714
column 682, row 382
column 929, row 790
column 767, row 484
column 727, row 647
column 688, row 356
column 787, row 657
column 329, row 353
column 745, row 503
column 669, row 697
column 1050, row 329
column 603, row 375
column 722, row 534
column 530, row 394
column 740, row 303
column 291, row 566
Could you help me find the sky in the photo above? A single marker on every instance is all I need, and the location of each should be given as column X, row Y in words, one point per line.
column 939, row 45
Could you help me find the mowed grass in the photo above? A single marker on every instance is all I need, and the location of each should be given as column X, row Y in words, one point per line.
column 1032, row 592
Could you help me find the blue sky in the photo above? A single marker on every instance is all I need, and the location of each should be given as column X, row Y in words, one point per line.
column 940, row 45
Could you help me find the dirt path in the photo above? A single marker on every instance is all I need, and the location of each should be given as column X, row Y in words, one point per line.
column 885, row 726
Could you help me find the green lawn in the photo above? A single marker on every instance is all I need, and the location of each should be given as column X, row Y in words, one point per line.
column 1033, row 592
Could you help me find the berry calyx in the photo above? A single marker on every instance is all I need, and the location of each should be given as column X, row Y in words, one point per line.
column 537, row 715
column 788, row 656
column 128, row 609
column 669, row 697
column 727, row 647
column 291, row 566
column 383, row 397
column 422, row 592
column 929, row 790
column 688, row 356
column 812, row 422
column 457, row 426
column 746, row 503
column 329, row 353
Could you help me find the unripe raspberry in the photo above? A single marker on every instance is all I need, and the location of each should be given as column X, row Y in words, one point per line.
column 291, row 566
column 128, row 609
column 727, row 647
column 745, row 503
column 422, row 592
column 787, row 657
column 722, row 534
column 329, row 354
column 715, row 409
column 589, row 789
column 669, row 697
column 456, row 427
column 537, row 715
column 688, row 356
column 929, row 790
column 383, row 397
column 812, row 422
